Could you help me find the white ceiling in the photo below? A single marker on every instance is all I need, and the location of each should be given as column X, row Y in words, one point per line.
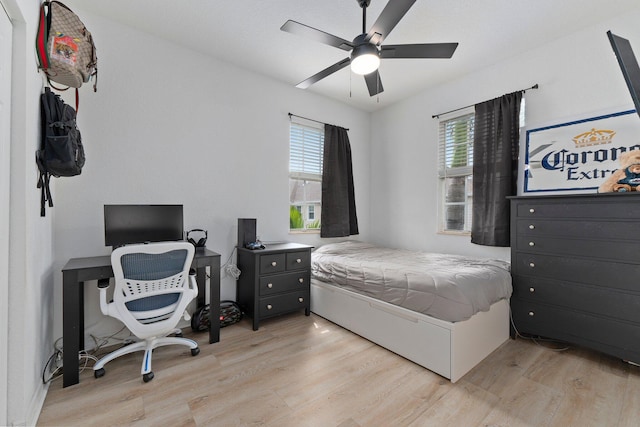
column 247, row 33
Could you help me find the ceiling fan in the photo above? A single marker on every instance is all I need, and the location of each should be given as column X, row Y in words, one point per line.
column 367, row 49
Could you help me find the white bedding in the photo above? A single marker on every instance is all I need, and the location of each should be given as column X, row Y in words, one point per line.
column 448, row 287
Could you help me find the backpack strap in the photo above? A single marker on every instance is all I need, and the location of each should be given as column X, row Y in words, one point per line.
column 41, row 38
column 63, row 89
column 43, row 183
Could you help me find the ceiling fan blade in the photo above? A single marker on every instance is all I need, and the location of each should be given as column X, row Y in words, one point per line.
column 297, row 28
column 324, row 73
column 374, row 84
column 426, row 50
column 388, row 19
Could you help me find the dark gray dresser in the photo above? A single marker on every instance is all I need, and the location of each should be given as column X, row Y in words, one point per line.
column 575, row 262
column 274, row 280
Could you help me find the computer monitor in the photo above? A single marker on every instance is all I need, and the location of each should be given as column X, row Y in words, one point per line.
column 127, row 224
column 628, row 65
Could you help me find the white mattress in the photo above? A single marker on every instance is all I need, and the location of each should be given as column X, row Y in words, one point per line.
column 448, row 287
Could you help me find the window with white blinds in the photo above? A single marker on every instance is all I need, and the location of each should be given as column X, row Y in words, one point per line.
column 306, row 149
column 455, row 170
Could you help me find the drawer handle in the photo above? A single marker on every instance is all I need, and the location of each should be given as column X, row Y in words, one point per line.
column 270, row 285
column 301, row 280
column 269, row 306
column 531, row 226
column 531, row 313
column 532, row 290
column 531, row 244
column 532, row 210
column 531, row 265
column 298, row 260
column 301, row 299
column 273, row 263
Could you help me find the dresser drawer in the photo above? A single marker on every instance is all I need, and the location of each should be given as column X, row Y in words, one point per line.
column 595, row 208
column 593, row 299
column 607, row 274
column 298, row 260
column 284, row 282
column 284, row 303
column 592, row 229
column 617, row 337
column 624, row 251
column 272, row 263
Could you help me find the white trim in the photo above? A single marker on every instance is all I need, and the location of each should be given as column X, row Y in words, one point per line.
column 6, row 47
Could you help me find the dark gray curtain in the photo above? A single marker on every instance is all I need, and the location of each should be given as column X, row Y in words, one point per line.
column 338, row 217
column 495, row 168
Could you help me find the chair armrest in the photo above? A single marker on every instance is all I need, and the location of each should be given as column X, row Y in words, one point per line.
column 193, row 284
column 103, row 284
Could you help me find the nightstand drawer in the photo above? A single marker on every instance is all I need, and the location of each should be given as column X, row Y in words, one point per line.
column 284, row 282
column 298, row 260
column 279, row 304
column 272, row 263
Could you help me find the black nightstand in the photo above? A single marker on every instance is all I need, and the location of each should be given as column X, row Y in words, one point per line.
column 274, row 280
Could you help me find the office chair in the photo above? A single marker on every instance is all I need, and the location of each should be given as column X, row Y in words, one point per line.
column 153, row 286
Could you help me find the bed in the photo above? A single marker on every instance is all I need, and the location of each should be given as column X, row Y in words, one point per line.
column 444, row 312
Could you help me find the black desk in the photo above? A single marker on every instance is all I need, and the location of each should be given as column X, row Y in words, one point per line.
column 79, row 270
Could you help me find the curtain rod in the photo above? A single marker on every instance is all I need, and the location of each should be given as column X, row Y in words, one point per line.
column 317, row 121
column 435, row 116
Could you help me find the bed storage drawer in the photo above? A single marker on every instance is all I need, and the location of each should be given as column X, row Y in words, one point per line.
column 274, row 280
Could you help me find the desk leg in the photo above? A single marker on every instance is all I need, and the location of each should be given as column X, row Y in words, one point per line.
column 201, row 279
column 72, row 308
column 214, row 300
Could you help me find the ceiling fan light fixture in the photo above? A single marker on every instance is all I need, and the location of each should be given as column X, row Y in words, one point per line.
column 365, row 59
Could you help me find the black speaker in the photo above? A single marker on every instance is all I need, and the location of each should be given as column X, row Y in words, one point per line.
column 246, row 231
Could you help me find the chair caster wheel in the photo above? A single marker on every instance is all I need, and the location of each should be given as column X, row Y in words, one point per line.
column 98, row 373
column 195, row 351
column 147, row 377
column 178, row 335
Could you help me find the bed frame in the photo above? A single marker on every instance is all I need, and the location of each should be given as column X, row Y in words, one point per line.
column 446, row 348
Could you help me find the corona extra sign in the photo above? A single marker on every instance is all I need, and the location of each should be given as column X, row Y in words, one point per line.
column 579, row 155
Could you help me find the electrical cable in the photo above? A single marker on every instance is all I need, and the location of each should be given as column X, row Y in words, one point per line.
column 538, row 339
column 54, row 363
column 230, row 268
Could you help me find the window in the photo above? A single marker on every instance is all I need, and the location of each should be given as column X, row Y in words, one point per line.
column 455, row 170
column 306, row 146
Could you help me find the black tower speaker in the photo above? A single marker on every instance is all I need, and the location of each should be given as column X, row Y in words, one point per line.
column 246, row 231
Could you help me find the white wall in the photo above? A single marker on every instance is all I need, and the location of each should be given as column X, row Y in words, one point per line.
column 30, row 293
column 578, row 75
column 169, row 125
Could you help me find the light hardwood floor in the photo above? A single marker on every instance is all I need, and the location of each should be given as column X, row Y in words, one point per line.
column 306, row 371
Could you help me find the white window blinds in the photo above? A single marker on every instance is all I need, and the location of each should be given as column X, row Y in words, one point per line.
column 306, row 151
column 456, row 145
